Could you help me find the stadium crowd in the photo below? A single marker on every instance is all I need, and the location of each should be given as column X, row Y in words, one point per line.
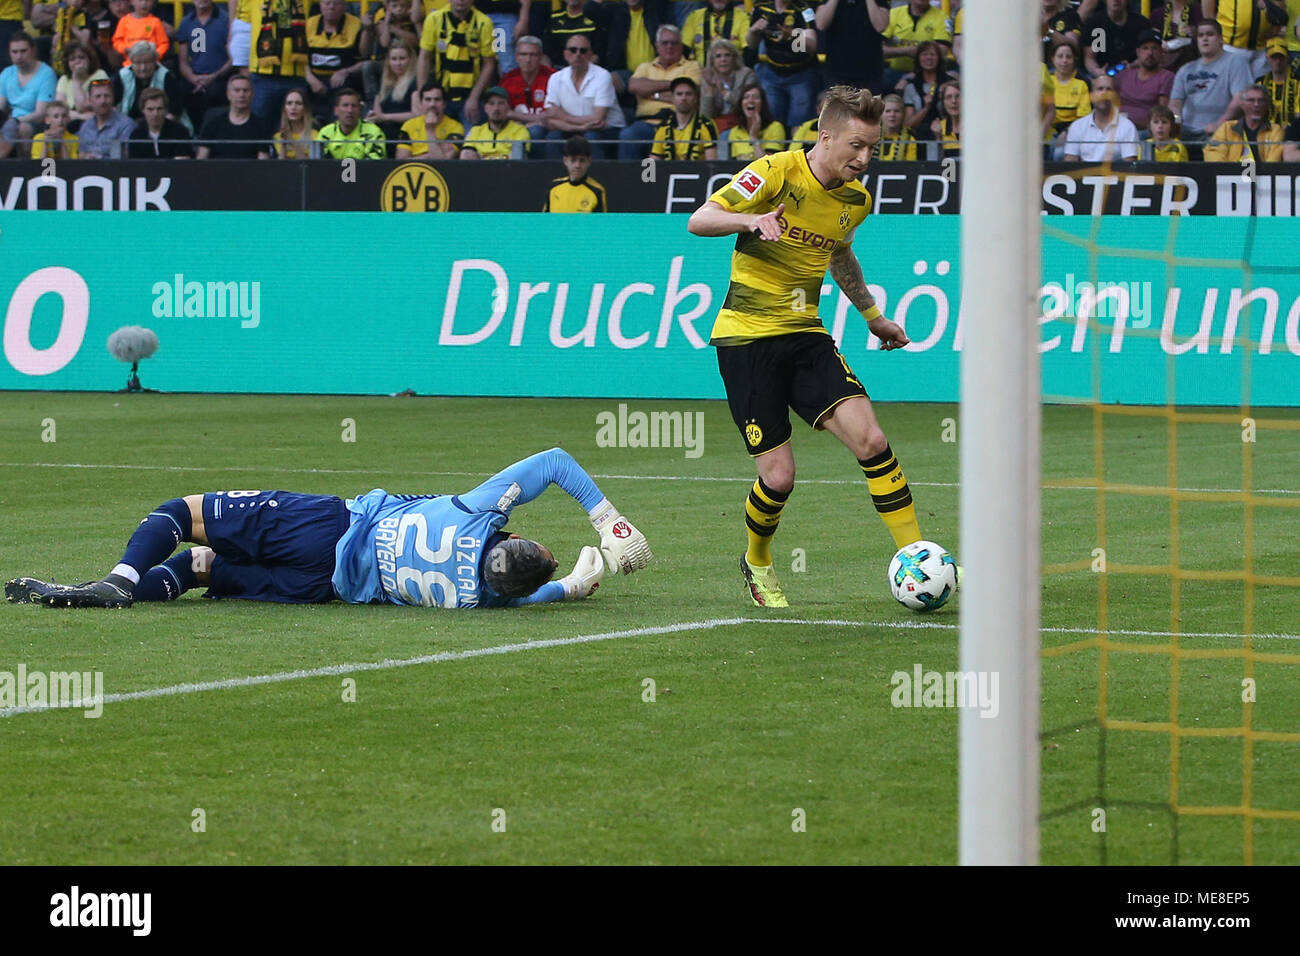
column 677, row 79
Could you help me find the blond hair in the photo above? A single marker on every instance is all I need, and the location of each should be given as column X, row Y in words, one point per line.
column 844, row 103
column 399, row 87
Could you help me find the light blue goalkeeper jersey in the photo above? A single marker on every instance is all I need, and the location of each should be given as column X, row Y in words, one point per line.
column 428, row 550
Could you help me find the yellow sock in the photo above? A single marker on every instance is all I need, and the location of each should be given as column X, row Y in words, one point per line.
column 892, row 497
column 762, row 515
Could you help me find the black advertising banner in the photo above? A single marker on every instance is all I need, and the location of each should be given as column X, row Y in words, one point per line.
column 1073, row 189
column 145, row 184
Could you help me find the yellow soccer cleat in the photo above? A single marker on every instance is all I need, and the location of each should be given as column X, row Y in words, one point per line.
column 764, row 589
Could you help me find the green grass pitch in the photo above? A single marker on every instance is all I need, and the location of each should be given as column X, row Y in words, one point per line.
column 552, row 754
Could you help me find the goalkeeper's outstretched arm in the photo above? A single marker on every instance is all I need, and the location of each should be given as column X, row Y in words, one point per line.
column 624, row 547
column 525, row 480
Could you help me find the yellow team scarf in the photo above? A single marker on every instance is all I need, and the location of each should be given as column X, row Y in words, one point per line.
column 62, row 35
column 1182, row 28
column 281, row 20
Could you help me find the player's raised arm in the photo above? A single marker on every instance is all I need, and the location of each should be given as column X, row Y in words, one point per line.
column 847, row 273
column 624, row 547
column 523, row 481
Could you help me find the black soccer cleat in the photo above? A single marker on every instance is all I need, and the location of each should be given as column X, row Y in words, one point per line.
column 28, row 590
column 94, row 594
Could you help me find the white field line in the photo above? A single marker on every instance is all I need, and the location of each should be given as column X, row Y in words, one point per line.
column 210, row 469
column 335, row 670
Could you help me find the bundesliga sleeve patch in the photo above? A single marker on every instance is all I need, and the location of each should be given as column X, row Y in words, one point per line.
column 507, row 501
column 748, row 183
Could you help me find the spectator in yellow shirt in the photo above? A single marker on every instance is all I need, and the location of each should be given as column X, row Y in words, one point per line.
column 716, row 20
column 338, row 46
column 1065, row 98
column 1163, row 147
column 499, row 137
column 80, row 66
column 754, row 131
column 897, row 144
column 56, row 142
column 278, row 58
column 432, row 133
column 651, row 84
column 296, row 138
column 909, row 25
column 1252, row 137
column 687, row 135
column 1247, row 24
column 457, row 52
column 1282, row 82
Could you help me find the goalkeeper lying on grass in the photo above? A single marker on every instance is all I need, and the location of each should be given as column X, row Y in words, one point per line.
column 424, row 550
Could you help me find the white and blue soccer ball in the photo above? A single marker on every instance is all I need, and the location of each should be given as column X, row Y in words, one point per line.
column 923, row 576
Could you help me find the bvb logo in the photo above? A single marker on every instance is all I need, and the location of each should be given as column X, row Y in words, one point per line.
column 414, row 187
column 753, row 434
column 844, row 218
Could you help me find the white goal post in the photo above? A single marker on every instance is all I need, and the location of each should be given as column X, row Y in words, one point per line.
column 1000, row 175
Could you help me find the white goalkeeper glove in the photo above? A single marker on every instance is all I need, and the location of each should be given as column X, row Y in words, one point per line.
column 585, row 576
column 625, row 548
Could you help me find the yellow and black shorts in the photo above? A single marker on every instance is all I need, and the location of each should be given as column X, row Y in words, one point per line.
column 767, row 377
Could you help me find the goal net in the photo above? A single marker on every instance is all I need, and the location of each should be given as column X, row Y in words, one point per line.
column 1152, row 645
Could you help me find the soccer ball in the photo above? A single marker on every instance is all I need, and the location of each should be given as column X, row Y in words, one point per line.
column 923, row 576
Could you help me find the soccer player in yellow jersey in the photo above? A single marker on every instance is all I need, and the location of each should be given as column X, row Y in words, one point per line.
column 576, row 192
column 795, row 214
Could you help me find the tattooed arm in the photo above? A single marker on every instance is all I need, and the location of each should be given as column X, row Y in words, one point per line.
column 847, row 273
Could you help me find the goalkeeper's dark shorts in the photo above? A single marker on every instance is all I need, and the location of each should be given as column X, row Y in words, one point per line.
column 766, row 378
column 273, row 545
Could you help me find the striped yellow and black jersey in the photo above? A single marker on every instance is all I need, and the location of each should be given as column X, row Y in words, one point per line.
column 782, row 48
column 897, row 147
column 1237, row 17
column 703, row 26
column 1284, row 94
column 458, row 49
column 685, row 143
column 586, row 195
column 775, row 286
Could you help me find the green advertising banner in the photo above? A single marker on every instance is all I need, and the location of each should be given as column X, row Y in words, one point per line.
column 1136, row 310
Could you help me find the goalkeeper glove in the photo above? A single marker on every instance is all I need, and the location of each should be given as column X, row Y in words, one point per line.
column 624, row 547
column 585, row 576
